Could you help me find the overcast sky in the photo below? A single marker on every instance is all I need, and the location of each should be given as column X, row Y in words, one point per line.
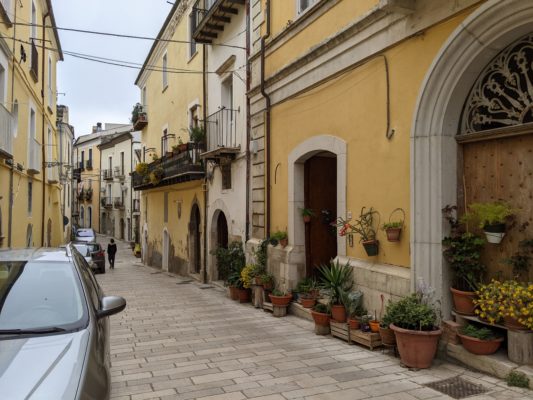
column 97, row 92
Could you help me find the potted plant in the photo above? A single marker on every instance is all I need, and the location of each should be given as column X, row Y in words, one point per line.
column 306, row 290
column 281, row 238
column 234, row 283
column 491, row 217
column 248, row 274
column 462, row 250
column 415, row 325
column 320, row 314
column 364, row 227
column 354, row 308
column 141, row 168
column 479, row 340
column 267, row 280
column 279, row 298
column 393, row 228
column 521, row 260
column 155, row 157
column 337, row 280
column 181, row 146
column 197, row 134
column 307, row 214
column 387, row 334
column 156, row 175
column 488, row 301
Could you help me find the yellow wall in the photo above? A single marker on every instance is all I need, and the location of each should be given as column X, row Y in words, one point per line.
column 344, row 13
column 94, row 175
column 353, row 108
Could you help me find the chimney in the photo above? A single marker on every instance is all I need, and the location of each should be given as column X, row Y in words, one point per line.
column 98, row 127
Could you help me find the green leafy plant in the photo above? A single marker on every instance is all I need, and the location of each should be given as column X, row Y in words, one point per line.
column 141, row 168
column 392, row 225
column 234, row 279
column 336, row 279
column 463, row 253
column 521, row 260
column 267, row 279
column 307, row 212
column 485, row 214
column 518, row 379
column 248, row 274
column 321, row 308
column 197, row 134
column 481, row 333
column 363, row 226
column 156, row 175
column 277, row 292
column 353, row 301
column 137, row 110
column 154, row 156
column 229, row 259
column 412, row 312
column 279, row 235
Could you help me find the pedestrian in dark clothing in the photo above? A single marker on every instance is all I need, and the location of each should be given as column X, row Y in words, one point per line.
column 111, row 251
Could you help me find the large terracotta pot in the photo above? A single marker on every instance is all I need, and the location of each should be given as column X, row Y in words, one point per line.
column 338, row 313
column 463, row 302
column 417, row 348
column 244, row 295
column 513, row 324
column 481, row 347
column 280, row 301
column 320, row 318
column 387, row 336
column 354, row 324
column 307, row 302
column 233, row 293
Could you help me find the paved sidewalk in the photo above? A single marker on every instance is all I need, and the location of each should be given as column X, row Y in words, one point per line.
column 179, row 340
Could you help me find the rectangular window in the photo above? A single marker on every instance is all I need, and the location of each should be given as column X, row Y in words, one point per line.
column 193, row 24
column 164, row 142
column 143, row 96
column 33, row 21
column 30, row 197
column 303, row 5
column 225, row 169
column 165, row 210
column 165, row 72
column 227, row 93
column 110, row 164
column 33, row 127
column 122, row 163
column 50, row 91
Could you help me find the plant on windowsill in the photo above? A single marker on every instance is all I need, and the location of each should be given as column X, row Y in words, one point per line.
column 279, row 237
column 307, row 214
column 491, row 217
column 462, row 250
column 364, row 227
column 479, row 340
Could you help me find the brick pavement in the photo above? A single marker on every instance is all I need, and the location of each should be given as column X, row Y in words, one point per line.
column 179, row 341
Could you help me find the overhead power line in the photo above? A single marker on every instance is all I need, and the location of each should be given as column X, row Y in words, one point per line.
column 124, row 35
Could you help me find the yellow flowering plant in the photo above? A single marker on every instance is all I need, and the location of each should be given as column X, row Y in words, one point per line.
column 248, row 274
column 506, row 299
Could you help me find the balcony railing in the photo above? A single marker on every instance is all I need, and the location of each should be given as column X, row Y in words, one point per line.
column 119, row 173
column 136, row 205
column 106, row 202
column 139, row 117
column 81, row 194
column 34, row 157
column 89, row 194
column 6, row 133
column 210, row 21
column 168, row 170
column 34, row 67
column 108, row 174
column 221, row 129
column 89, row 164
column 118, row 203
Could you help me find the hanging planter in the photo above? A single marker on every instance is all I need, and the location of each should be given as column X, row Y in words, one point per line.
column 393, row 228
column 307, row 213
column 491, row 217
column 371, row 247
column 494, row 233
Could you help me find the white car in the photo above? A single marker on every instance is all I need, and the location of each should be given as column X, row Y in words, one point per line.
column 85, row 235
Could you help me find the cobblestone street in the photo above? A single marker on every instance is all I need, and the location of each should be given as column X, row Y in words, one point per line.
column 181, row 340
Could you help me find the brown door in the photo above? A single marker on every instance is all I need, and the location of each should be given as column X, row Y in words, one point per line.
column 222, row 231
column 320, row 196
column 194, row 230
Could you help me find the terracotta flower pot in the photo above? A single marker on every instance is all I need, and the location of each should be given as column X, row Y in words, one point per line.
column 307, row 302
column 354, row 324
column 387, row 336
column 244, row 295
column 234, row 293
column 307, row 219
column 320, row 319
column 417, row 348
column 280, row 301
column 480, row 347
column 338, row 313
column 513, row 324
column 393, row 234
column 374, row 326
column 463, row 302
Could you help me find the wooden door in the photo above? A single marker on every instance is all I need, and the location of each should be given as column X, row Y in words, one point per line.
column 321, row 196
column 194, row 231
column 222, row 231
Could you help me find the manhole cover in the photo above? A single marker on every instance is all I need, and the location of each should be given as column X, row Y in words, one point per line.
column 457, row 387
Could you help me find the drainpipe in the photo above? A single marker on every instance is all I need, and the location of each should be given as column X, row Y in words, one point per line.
column 267, row 115
column 205, row 190
column 248, row 126
column 43, row 147
column 10, row 199
column 12, row 169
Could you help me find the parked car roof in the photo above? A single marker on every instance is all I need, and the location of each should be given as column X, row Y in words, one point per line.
column 35, row 254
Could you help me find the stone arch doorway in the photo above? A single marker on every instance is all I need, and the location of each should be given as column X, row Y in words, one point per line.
column 434, row 157
column 320, row 195
column 122, row 229
column 195, row 240
column 166, row 249
column 219, row 239
column 308, row 156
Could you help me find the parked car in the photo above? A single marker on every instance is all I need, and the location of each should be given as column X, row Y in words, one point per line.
column 54, row 330
column 93, row 253
column 85, row 235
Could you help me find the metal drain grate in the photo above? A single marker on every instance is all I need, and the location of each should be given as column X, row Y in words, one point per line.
column 457, row 387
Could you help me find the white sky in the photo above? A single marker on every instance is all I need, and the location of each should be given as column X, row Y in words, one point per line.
column 97, row 92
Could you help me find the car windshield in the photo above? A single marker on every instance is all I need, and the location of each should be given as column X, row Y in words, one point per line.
column 93, row 247
column 40, row 296
column 84, row 233
column 83, row 249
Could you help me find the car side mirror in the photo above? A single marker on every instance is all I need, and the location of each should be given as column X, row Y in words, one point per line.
column 111, row 305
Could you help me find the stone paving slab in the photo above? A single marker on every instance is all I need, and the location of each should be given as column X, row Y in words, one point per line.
column 177, row 341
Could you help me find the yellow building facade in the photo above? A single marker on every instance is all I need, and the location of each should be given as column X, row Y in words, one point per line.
column 335, row 86
column 171, row 177
column 30, row 189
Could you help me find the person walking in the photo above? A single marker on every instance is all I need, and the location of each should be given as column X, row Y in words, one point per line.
column 111, row 251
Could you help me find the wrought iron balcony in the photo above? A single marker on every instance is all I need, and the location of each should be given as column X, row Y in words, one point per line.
column 6, row 133
column 139, row 117
column 34, row 157
column 211, row 20
column 119, row 173
column 107, row 202
column 118, row 203
column 89, row 164
column 168, row 170
column 221, row 134
column 81, row 194
column 34, row 67
column 89, row 194
column 107, row 174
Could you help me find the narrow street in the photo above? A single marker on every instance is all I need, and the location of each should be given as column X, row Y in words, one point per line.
column 181, row 340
